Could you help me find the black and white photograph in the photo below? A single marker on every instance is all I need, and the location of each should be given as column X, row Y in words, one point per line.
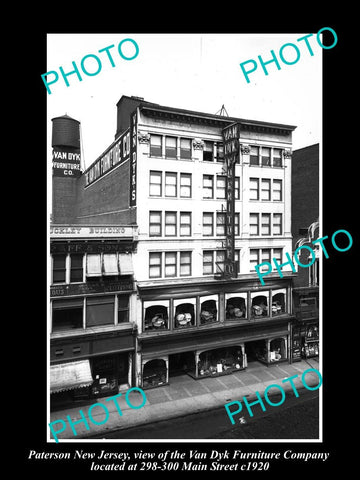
column 186, row 252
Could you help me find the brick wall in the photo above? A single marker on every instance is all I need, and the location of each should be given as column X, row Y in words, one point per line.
column 106, row 201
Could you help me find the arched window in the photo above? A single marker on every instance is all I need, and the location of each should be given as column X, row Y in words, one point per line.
column 259, row 305
column 184, row 313
column 156, row 315
column 235, row 306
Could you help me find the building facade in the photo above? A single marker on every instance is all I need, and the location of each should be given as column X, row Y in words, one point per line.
column 198, row 305
column 305, row 212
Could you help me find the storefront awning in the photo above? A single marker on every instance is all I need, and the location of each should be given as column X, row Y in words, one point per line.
column 71, row 375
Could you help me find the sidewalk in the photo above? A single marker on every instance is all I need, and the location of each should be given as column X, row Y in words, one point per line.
column 183, row 396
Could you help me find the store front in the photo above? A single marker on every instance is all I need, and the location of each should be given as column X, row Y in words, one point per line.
column 87, row 365
column 110, row 374
column 268, row 350
column 305, row 329
column 218, row 352
column 206, row 330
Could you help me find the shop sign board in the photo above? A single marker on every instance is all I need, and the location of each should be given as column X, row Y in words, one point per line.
column 231, row 135
column 88, row 232
column 133, row 159
column 66, row 162
column 88, row 288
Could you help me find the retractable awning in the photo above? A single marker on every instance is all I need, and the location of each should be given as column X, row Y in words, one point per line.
column 71, row 375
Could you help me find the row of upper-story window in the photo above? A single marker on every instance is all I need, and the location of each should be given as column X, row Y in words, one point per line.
column 70, row 268
column 88, row 312
column 198, row 310
column 172, row 264
column 173, row 224
column 77, row 267
column 171, row 147
column 179, row 185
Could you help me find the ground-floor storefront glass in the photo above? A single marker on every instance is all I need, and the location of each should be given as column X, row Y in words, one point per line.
column 202, row 362
column 90, row 378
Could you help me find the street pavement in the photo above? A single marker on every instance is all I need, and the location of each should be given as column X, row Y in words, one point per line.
column 183, row 396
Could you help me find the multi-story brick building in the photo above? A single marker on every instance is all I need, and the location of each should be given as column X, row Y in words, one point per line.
column 168, row 174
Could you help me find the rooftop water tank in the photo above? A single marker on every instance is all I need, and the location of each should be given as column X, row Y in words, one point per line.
column 65, row 132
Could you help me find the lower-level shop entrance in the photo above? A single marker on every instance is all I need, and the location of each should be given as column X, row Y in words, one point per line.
column 180, row 363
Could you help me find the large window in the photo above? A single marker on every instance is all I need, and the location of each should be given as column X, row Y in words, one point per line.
column 170, row 184
column 265, row 223
column 155, row 224
column 156, row 145
column 170, row 264
column 208, row 309
column 265, row 189
column 208, row 186
column 277, row 224
column 208, row 224
column 208, row 262
column 277, row 158
column 175, row 264
column 170, row 147
column 155, row 264
column 208, row 152
column 254, row 155
column 220, row 261
column 254, row 224
column 185, row 264
column 220, row 223
column 277, row 190
column 67, row 314
column 254, row 258
column 185, row 185
column 155, row 186
column 237, row 188
column 59, row 269
column 99, row 311
column 265, row 156
column 170, row 224
column 220, row 186
column 185, row 224
column 260, row 255
column 156, row 315
column 185, row 148
column 76, row 267
column 254, row 189
column 220, row 152
column 123, row 308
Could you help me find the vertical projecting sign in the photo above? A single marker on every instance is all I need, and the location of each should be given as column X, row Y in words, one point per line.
column 133, row 141
column 231, row 152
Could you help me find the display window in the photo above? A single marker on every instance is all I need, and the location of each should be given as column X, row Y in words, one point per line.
column 278, row 350
column 208, row 309
column 155, row 372
column 235, row 306
column 278, row 303
column 221, row 361
column 156, row 315
column 184, row 312
column 67, row 314
column 259, row 304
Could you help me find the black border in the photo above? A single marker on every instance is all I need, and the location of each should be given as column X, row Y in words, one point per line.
column 339, row 211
